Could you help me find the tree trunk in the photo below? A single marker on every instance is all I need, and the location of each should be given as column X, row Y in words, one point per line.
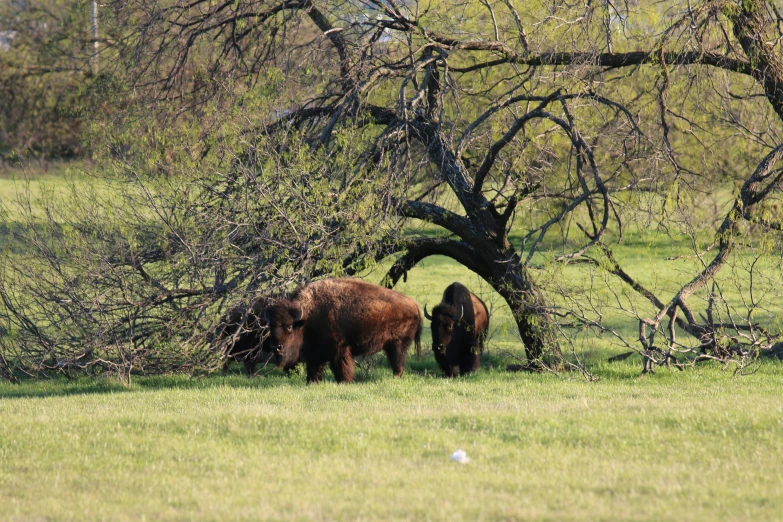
column 533, row 322
column 94, row 23
column 528, row 307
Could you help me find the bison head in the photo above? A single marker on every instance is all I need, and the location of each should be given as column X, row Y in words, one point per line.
column 444, row 319
column 285, row 320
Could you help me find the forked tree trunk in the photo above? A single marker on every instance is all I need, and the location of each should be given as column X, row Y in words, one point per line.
column 504, row 272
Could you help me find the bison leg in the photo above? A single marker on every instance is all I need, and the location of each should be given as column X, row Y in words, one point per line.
column 470, row 363
column 443, row 362
column 315, row 371
column 343, row 367
column 470, row 359
column 395, row 352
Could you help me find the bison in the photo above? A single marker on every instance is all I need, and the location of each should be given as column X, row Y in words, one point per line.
column 242, row 333
column 459, row 327
column 335, row 320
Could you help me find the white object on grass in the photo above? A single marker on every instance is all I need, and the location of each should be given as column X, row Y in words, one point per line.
column 460, row 456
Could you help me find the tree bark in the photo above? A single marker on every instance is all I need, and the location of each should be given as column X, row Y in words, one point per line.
column 767, row 68
column 536, row 330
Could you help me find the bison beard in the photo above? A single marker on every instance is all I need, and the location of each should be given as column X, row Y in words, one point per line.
column 335, row 320
column 459, row 326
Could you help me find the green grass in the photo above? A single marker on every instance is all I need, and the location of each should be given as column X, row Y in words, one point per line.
column 16, row 180
column 697, row 445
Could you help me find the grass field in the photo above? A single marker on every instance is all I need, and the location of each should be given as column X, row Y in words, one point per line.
column 696, row 445
column 693, row 445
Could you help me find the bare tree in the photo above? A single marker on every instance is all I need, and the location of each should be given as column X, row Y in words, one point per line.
column 496, row 106
column 134, row 275
column 515, row 137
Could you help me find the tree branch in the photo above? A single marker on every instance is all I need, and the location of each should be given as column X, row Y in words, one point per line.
column 496, row 147
column 420, row 248
column 751, row 193
column 616, row 60
column 436, row 215
column 749, row 24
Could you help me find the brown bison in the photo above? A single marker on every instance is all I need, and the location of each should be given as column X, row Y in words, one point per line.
column 459, row 327
column 335, row 320
column 241, row 334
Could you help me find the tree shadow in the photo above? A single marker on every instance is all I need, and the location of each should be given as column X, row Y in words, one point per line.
column 35, row 388
column 31, row 387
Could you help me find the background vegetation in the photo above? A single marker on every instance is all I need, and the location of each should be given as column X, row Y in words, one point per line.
column 246, row 148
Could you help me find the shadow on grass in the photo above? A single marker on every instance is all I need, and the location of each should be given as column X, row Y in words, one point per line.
column 29, row 387
column 32, row 388
column 424, row 367
column 90, row 385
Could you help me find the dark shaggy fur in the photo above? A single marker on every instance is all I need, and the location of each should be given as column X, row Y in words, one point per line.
column 332, row 321
column 459, row 326
column 242, row 335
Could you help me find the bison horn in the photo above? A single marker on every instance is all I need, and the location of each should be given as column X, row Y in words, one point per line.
column 301, row 314
column 428, row 316
column 461, row 312
column 266, row 315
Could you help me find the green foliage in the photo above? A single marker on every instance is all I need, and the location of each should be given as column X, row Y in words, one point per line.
column 45, row 78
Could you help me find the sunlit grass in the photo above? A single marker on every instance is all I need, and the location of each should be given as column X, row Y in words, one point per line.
column 696, row 445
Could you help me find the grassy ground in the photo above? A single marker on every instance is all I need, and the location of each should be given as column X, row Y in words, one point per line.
column 693, row 445
column 696, row 445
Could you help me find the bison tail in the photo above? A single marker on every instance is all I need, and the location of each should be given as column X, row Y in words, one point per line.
column 417, row 339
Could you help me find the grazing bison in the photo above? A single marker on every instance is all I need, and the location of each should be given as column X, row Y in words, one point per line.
column 335, row 320
column 241, row 334
column 459, row 326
